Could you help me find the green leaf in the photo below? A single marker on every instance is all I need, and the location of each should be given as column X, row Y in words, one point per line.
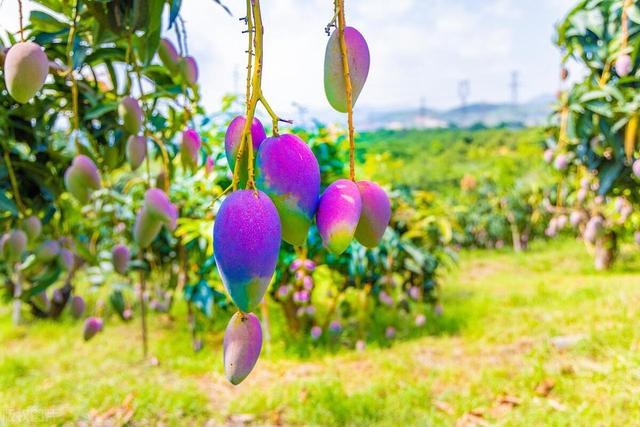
column 8, row 205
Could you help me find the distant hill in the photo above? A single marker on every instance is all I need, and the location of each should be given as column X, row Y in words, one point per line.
column 531, row 113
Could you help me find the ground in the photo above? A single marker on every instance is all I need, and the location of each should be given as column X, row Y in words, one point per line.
column 538, row 338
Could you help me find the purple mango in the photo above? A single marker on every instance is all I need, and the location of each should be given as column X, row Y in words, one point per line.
column 33, row 227
column 338, row 215
column 375, row 216
column 14, row 243
column 232, row 140
column 160, row 208
column 82, row 178
column 242, row 345
column 289, row 174
column 48, row 250
column 168, row 55
column 136, row 151
column 92, row 326
column 25, row 69
column 636, row 168
column 316, row 332
column 189, row 70
column 359, row 61
column 131, row 115
column 120, row 257
column 548, row 155
column 146, row 228
column 246, row 242
column 561, row 162
column 189, row 149
column 623, row 65
column 66, row 259
column 77, row 306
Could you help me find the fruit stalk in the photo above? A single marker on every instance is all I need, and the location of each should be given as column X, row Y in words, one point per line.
column 339, row 5
column 20, row 20
column 165, row 157
column 254, row 92
column 17, row 293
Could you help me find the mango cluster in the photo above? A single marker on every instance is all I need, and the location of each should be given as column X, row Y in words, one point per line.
column 157, row 210
column 186, row 67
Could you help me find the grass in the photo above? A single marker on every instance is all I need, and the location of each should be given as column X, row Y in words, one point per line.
column 522, row 320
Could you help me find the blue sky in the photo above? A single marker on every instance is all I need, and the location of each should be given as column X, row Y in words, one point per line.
column 419, row 49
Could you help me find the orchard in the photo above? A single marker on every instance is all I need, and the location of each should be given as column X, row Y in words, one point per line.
column 294, row 271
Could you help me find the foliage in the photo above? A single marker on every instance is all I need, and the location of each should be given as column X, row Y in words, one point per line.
column 595, row 121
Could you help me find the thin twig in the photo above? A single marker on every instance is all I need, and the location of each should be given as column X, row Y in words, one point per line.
column 339, row 5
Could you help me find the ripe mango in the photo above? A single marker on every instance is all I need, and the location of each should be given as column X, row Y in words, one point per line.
column 189, row 70
column 120, row 257
column 375, row 216
column 92, row 326
column 136, row 150
column 145, row 229
column 232, row 140
column 130, row 114
column 14, row 243
column 81, row 178
column 190, row 149
column 288, row 172
column 168, row 55
column 160, row 208
column 25, row 69
column 246, row 242
column 66, row 259
column 338, row 215
column 48, row 250
column 33, row 227
column 77, row 306
column 242, row 345
column 358, row 59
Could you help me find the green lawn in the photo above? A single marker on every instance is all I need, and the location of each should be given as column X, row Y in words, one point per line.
column 511, row 324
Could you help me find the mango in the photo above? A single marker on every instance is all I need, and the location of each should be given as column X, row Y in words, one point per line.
column 33, row 227
column 160, row 208
column 130, row 114
column 66, row 258
column 246, row 242
column 623, row 65
column 136, row 151
column 92, row 326
column 25, row 69
column 120, row 257
column 358, row 59
column 168, row 55
column 189, row 70
column 288, row 172
column 161, row 180
column 242, row 345
column 190, row 148
column 232, row 140
column 145, row 229
column 15, row 243
column 375, row 216
column 338, row 215
column 77, row 306
column 81, row 178
column 48, row 250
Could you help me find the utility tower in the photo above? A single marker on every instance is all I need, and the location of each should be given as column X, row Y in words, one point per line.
column 464, row 88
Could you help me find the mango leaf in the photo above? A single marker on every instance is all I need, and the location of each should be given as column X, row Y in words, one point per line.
column 174, row 11
column 8, row 205
column 609, row 173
